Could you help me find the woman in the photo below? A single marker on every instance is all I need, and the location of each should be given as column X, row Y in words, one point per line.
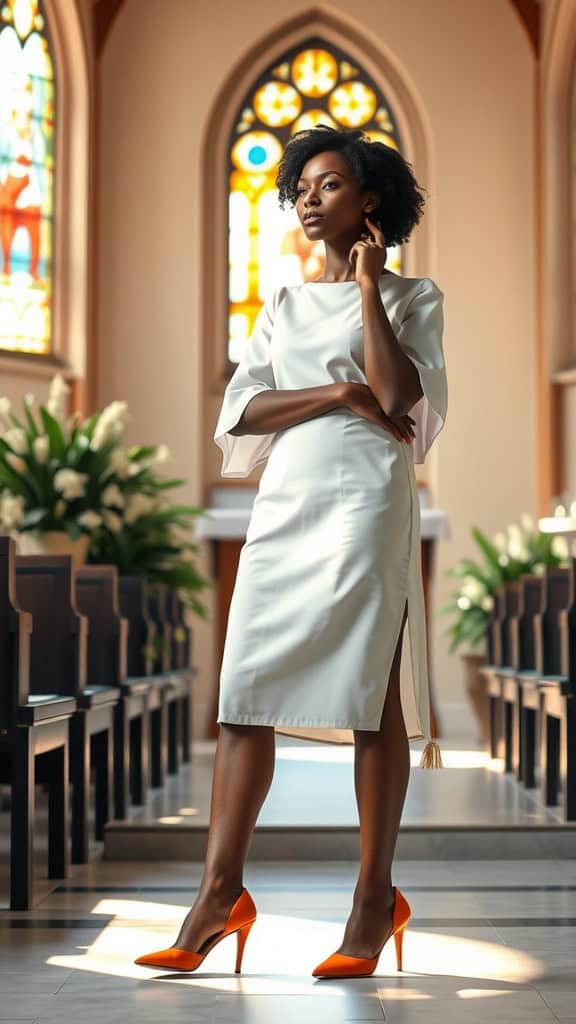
column 342, row 387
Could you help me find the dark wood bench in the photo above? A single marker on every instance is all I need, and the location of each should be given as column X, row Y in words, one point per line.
column 498, row 637
column 97, row 599
column 160, row 719
column 60, row 645
column 506, row 675
column 524, row 657
column 181, row 663
column 556, row 686
column 142, row 721
column 176, row 684
column 34, row 740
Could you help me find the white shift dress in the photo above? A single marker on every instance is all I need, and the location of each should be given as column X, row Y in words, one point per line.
column 332, row 551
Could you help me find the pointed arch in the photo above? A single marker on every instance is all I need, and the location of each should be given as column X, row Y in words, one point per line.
column 70, row 199
column 314, row 83
column 343, row 33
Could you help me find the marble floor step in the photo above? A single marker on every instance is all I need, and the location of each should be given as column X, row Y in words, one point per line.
column 177, row 840
column 469, row 810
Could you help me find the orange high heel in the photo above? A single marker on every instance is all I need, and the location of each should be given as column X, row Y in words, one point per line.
column 240, row 920
column 340, row 965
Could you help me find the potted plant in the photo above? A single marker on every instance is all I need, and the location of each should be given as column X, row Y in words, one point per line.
column 522, row 549
column 141, row 532
column 69, row 486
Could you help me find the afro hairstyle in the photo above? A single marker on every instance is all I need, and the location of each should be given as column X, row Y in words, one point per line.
column 377, row 167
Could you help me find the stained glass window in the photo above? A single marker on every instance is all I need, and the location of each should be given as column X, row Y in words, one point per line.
column 26, row 178
column 313, row 83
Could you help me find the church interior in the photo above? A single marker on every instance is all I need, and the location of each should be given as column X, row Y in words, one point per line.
column 120, row 540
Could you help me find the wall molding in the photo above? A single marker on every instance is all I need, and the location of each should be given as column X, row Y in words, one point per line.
column 555, row 113
column 70, row 280
column 529, row 13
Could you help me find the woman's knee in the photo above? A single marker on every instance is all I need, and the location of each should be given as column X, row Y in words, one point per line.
column 237, row 731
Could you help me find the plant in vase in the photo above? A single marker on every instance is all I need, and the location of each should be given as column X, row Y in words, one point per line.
column 54, row 471
column 141, row 532
column 522, row 549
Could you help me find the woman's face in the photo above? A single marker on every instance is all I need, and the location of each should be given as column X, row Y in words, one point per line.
column 330, row 202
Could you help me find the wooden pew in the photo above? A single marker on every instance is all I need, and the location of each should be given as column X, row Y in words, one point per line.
column 97, row 599
column 524, row 657
column 562, row 704
column 142, row 725
column 175, row 685
column 557, row 687
column 538, row 640
column 506, row 675
column 159, row 715
column 46, row 587
column 497, row 659
column 34, row 741
column 181, row 665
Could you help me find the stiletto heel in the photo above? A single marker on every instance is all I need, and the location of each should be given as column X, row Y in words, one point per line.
column 340, row 965
column 398, row 939
column 240, row 920
column 241, row 936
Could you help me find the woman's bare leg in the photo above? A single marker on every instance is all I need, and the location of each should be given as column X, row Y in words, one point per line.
column 381, row 771
column 243, row 772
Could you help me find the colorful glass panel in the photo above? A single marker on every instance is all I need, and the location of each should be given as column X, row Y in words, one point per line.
column 313, row 84
column 27, row 104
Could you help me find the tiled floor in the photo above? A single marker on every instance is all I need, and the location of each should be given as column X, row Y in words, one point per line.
column 488, row 941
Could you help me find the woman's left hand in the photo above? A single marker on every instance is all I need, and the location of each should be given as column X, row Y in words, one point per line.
column 368, row 256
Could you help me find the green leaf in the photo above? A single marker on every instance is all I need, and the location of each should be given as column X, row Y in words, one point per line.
column 17, row 423
column 32, row 426
column 73, row 529
column 55, row 435
column 140, row 452
column 34, row 517
column 163, row 485
column 490, row 552
column 15, row 482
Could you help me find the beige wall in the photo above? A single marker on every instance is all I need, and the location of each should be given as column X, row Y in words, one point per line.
column 470, row 68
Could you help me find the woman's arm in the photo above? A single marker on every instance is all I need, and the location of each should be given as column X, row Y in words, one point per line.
column 390, row 373
column 277, row 409
column 274, row 410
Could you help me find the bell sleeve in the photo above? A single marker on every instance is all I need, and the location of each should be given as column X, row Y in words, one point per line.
column 253, row 374
column 420, row 337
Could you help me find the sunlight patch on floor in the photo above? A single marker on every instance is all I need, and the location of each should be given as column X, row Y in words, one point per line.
column 284, row 949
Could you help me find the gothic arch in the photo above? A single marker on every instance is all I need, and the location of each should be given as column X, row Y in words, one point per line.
column 71, row 201
column 341, row 31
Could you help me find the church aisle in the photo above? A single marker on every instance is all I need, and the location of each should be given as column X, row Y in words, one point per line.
column 469, row 810
column 488, row 940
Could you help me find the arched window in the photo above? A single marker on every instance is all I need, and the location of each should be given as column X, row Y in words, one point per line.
column 313, row 83
column 27, row 107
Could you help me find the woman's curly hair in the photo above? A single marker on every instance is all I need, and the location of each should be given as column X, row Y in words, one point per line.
column 377, row 167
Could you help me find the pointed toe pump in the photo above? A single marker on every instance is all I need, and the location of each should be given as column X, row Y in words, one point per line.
column 339, row 965
column 240, row 921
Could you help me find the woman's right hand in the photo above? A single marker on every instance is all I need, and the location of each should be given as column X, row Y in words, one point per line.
column 360, row 398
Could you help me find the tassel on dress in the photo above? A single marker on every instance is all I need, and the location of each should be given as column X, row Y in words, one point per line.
column 431, row 756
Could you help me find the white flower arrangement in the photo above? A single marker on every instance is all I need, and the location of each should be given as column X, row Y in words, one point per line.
column 54, row 469
column 521, row 549
column 59, row 473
